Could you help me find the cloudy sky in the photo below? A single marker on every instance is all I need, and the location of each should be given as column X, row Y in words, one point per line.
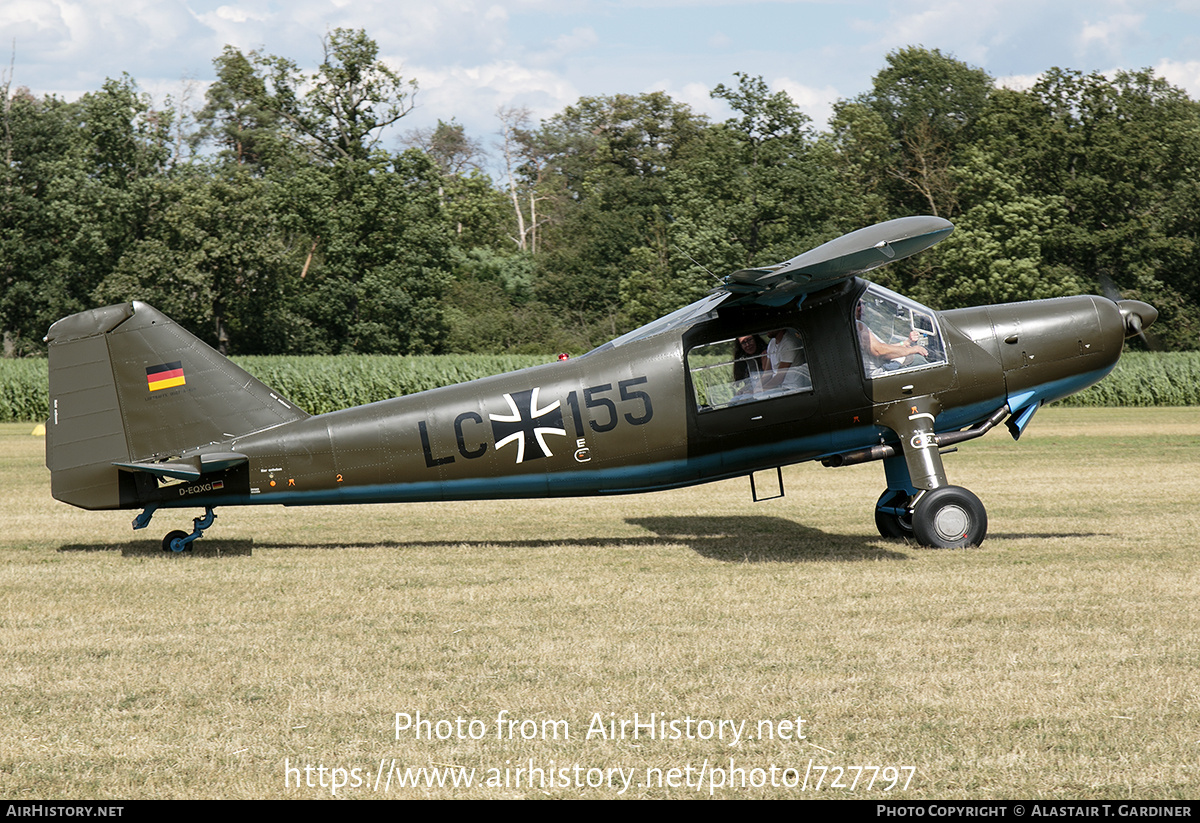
column 471, row 56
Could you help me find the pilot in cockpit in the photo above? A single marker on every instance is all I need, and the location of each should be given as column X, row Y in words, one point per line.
column 888, row 356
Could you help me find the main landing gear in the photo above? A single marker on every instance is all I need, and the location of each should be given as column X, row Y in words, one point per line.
column 178, row 541
column 918, row 503
column 949, row 517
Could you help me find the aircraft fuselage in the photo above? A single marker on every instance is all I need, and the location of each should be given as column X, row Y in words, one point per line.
column 628, row 420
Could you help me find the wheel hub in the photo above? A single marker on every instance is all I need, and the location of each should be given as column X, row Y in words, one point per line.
column 952, row 522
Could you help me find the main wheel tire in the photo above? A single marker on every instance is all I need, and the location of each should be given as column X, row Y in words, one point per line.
column 890, row 525
column 171, row 538
column 949, row 518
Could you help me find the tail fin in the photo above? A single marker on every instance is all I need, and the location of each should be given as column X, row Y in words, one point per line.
column 128, row 385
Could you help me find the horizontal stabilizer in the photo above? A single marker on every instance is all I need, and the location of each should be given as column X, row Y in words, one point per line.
column 189, row 468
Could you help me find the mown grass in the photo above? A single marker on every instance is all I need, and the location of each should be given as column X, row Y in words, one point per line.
column 1059, row 660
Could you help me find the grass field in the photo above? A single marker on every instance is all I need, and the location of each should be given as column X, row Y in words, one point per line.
column 1059, row 660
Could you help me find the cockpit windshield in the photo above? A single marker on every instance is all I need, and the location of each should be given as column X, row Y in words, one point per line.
column 895, row 333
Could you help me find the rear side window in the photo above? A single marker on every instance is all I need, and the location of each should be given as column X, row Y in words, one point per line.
column 748, row 368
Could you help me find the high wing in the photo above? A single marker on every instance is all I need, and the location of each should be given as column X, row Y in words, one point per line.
column 827, row 264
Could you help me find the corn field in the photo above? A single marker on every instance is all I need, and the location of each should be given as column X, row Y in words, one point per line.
column 324, row 384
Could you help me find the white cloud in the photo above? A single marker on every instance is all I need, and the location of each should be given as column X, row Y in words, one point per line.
column 1110, row 33
column 694, row 95
column 473, row 93
column 32, row 15
column 1011, row 36
column 1018, row 82
column 237, row 14
column 817, row 103
column 471, row 55
column 1182, row 73
column 577, row 40
column 970, row 26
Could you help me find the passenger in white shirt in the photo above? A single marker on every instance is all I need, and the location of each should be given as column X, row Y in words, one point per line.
column 788, row 371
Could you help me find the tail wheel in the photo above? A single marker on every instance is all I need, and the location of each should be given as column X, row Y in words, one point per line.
column 949, row 518
column 173, row 542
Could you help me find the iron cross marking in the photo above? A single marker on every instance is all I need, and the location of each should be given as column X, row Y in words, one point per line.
column 527, row 425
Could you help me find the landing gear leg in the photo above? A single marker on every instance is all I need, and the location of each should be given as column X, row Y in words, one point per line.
column 918, row 502
column 180, row 541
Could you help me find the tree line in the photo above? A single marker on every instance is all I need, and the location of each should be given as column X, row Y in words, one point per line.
column 272, row 220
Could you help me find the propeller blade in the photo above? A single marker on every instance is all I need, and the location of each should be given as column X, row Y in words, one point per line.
column 1137, row 316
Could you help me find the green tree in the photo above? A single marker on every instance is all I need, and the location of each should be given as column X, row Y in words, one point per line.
column 448, row 146
column 491, row 307
column 216, row 259
column 237, row 116
column 750, row 191
column 475, row 208
column 1122, row 153
column 905, row 135
column 376, row 236
column 339, row 111
column 383, row 253
column 37, row 135
column 606, row 165
column 82, row 181
column 996, row 253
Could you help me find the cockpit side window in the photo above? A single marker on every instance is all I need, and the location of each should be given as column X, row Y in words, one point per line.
column 895, row 334
column 748, row 368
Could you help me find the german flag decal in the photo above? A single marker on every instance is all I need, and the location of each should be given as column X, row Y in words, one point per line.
column 166, row 376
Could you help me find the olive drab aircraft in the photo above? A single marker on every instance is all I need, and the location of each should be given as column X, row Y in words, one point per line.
column 800, row 361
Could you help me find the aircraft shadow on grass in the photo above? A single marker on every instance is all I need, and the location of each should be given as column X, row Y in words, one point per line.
column 776, row 539
column 730, row 539
column 744, row 539
column 727, row 538
column 153, row 548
